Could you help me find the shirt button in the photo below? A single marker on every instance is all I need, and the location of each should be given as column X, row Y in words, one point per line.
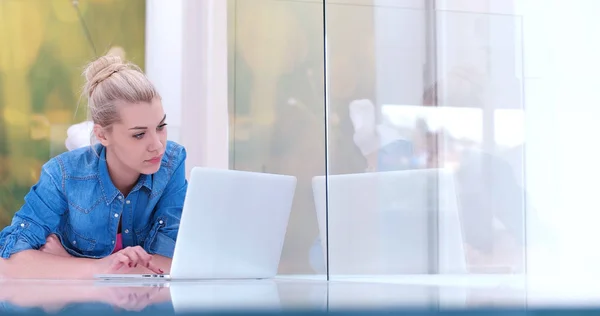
column 74, row 242
column 113, row 242
column 23, row 225
column 160, row 222
column 127, row 231
column 127, row 202
column 120, row 197
column 116, row 215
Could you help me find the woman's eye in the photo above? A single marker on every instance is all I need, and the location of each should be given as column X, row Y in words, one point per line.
column 161, row 127
column 139, row 136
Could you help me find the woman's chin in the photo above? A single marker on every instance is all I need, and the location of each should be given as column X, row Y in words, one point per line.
column 150, row 169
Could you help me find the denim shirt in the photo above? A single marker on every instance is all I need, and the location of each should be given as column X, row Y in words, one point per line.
column 76, row 200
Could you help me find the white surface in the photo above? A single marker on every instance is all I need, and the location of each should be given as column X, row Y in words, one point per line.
column 452, row 291
column 148, row 277
column 231, row 295
column 233, row 224
column 442, row 280
column 392, row 291
column 391, row 222
column 312, row 292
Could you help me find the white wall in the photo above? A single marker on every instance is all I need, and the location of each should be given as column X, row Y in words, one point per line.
column 540, row 129
column 205, row 121
column 561, row 63
column 186, row 58
column 164, row 47
column 566, row 84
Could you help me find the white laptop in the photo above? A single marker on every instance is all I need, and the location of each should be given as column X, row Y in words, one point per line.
column 233, row 226
column 398, row 222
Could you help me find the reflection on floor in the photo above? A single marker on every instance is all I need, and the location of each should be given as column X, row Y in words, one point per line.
column 290, row 293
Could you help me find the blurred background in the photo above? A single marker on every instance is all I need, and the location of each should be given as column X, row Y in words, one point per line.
column 427, row 136
column 44, row 47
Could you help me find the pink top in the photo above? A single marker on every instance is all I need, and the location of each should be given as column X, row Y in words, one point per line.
column 118, row 243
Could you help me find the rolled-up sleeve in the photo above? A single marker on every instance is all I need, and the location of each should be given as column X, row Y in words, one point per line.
column 168, row 211
column 38, row 217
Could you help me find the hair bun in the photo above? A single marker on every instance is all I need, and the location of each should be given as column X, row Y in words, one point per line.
column 100, row 69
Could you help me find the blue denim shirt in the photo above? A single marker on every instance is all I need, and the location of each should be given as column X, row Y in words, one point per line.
column 76, row 200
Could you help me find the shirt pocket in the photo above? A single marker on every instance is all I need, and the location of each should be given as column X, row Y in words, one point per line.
column 75, row 243
column 80, row 204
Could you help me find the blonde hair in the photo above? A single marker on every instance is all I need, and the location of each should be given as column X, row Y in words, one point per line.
column 108, row 80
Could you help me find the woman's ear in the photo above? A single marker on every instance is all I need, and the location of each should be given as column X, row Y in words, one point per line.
column 101, row 134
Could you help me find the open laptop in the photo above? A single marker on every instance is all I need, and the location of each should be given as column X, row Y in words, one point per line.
column 397, row 222
column 233, row 226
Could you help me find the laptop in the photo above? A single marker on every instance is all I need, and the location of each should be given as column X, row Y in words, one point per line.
column 396, row 222
column 233, row 226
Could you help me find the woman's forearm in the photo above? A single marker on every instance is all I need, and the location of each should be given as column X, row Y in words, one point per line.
column 34, row 264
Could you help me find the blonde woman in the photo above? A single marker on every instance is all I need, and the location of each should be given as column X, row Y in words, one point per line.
column 113, row 207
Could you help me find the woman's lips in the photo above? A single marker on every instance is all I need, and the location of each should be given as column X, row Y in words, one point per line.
column 155, row 160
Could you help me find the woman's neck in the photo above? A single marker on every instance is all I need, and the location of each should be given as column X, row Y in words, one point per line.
column 122, row 177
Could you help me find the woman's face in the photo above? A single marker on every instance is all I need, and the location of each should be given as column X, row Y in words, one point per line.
column 138, row 141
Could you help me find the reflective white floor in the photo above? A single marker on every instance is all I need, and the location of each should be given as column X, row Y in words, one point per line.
column 305, row 293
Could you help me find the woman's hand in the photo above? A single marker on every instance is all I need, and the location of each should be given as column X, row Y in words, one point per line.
column 129, row 257
column 135, row 298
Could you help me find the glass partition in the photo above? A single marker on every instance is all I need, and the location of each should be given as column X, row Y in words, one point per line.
column 276, row 107
column 425, row 141
column 414, row 162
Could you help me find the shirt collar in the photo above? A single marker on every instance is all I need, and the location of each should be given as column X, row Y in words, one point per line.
column 145, row 180
column 108, row 188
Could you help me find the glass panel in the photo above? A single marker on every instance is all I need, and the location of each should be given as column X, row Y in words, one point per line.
column 277, row 109
column 425, row 140
column 480, row 66
column 43, row 48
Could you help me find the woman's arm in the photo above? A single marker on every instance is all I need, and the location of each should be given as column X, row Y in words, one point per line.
column 34, row 264
column 40, row 215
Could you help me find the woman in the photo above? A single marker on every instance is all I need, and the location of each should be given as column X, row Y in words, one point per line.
column 110, row 208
